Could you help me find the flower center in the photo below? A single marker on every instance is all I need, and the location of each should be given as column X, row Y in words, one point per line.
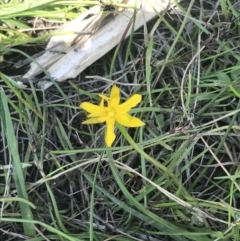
column 111, row 112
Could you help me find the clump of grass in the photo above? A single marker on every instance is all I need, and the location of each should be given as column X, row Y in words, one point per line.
column 177, row 179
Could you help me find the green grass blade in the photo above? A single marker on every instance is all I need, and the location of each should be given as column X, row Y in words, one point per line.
column 16, row 163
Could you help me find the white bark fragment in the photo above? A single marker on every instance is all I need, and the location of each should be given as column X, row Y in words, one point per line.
column 64, row 61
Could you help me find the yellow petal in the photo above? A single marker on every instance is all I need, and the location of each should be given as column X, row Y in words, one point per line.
column 91, row 108
column 114, row 91
column 114, row 97
column 102, row 103
column 129, row 104
column 101, row 112
column 93, row 120
column 110, row 135
column 129, row 121
column 104, row 97
column 103, row 118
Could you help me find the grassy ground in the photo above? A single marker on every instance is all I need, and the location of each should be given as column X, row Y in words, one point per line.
column 178, row 177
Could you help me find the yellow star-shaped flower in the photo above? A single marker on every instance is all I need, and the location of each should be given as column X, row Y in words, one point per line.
column 114, row 112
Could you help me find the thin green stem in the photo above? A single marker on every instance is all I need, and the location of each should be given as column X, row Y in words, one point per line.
column 151, row 159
